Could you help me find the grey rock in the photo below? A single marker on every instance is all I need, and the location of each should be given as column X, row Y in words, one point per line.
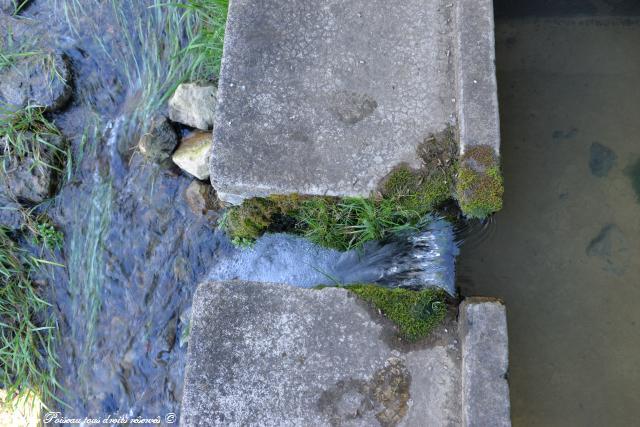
column 194, row 104
column 160, row 140
column 193, row 154
column 43, row 79
column 28, row 180
column 601, row 159
column 610, row 246
column 327, row 98
column 202, row 199
column 10, row 215
column 477, row 88
column 485, row 363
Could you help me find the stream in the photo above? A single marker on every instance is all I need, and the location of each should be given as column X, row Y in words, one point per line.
column 134, row 252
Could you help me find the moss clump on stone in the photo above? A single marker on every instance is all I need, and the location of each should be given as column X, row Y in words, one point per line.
column 403, row 199
column 415, row 313
column 479, row 185
column 416, row 191
column 256, row 216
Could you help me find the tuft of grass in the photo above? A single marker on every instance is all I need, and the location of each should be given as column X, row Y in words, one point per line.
column 479, row 186
column 415, row 313
column 343, row 223
column 26, row 133
column 27, row 331
column 351, row 222
column 206, row 37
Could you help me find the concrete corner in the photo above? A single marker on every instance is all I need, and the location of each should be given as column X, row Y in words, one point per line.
column 485, row 363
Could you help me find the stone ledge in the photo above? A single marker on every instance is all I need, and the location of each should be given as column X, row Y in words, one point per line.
column 485, row 362
column 477, row 88
column 269, row 354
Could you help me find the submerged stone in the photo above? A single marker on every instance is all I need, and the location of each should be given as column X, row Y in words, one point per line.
column 160, row 140
column 601, row 159
column 633, row 172
column 611, row 247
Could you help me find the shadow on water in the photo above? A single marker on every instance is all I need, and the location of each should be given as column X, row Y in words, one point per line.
column 564, row 251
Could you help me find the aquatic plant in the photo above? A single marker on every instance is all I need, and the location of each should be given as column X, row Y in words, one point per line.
column 27, row 330
column 479, row 186
column 415, row 313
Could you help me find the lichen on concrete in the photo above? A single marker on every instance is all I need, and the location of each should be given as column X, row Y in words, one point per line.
column 479, row 186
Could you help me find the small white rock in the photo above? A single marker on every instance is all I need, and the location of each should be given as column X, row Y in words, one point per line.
column 194, row 105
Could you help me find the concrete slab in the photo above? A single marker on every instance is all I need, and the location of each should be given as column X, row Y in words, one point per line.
column 274, row 355
column 477, row 88
column 485, row 363
column 326, row 97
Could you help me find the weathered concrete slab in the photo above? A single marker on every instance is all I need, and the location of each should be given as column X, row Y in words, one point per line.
column 274, row 355
column 477, row 88
column 485, row 363
column 326, row 97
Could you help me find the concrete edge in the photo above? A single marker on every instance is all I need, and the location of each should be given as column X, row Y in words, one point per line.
column 477, row 89
column 485, row 362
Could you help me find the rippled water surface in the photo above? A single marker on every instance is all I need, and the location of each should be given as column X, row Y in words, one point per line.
column 565, row 251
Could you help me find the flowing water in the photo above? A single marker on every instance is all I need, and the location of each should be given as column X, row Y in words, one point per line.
column 133, row 251
column 564, row 253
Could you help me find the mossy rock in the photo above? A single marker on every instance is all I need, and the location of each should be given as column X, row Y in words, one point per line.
column 479, row 186
column 415, row 313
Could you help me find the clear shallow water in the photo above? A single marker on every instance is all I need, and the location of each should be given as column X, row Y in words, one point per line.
column 564, row 253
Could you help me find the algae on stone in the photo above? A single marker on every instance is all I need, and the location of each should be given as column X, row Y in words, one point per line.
column 479, row 186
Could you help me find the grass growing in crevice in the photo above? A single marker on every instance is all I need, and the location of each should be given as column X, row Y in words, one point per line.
column 27, row 330
column 403, row 199
column 479, row 186
column 27, row 133
column 415, row 313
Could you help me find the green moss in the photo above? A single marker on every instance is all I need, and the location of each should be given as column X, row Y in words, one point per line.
column 256, row 216
column 415, row 313
column 416, row 191
column 479, row 186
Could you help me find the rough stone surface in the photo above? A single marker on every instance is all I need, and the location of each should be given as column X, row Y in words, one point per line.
column 477, row 89
column 10, row 215
column 43, row 79
column 485, row 363
column 194, row 105
column 274, row 355
column 159, row 142
column 193, row 154
column 25, row 179
column 327, row 97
